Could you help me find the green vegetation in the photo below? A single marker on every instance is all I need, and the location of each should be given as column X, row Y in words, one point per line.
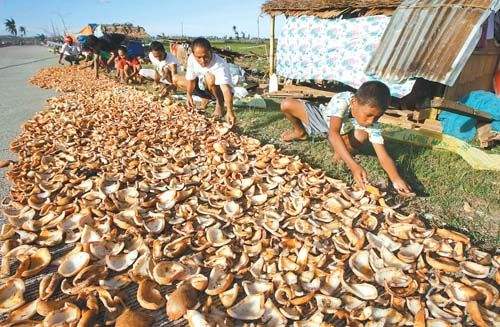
column 10, row 26
column 449, row 191
column 259, row 51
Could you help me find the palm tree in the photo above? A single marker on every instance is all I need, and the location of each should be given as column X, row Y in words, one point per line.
column 10, row 26
column 41, row 37
column 22, row 30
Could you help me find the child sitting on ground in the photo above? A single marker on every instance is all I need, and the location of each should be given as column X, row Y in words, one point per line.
column 132, row 68
column 126, row 68
column 349, row 120
column 120, row 62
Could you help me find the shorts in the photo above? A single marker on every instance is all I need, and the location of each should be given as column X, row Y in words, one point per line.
column 133, row 62
column 201, row 83
column 316, row 125
column 71, row 58
column 201, row 89
column 150, row 73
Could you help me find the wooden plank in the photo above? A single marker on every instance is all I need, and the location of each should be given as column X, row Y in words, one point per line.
column 421, row 115
column 397, row 121
column 281, row 94
column 432, row 125
column 399, row 112
column 307, row 90
column 449, row 105
column 477, row 73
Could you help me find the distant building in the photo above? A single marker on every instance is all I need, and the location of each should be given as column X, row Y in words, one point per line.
column 131, row 31
column 6, row 40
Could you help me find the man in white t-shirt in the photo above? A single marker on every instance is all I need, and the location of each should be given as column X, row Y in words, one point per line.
column 165, row 67
column 211, row 73
column 69, row 51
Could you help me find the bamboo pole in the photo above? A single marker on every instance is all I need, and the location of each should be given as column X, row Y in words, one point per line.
column 271, row 49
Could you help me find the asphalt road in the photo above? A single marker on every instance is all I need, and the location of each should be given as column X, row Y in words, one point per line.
column 19, row 101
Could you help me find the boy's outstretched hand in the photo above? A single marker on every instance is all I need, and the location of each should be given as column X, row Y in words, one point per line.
column 230, row 118
column 190, row 102
column 360, row 176
column 402, row 187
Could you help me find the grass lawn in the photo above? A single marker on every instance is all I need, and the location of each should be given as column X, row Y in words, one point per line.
column 449, row 191
column 259, row 63
column 260, row 49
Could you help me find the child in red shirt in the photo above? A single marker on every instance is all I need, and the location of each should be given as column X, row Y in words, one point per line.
column 132, row 67
column 120, row 62
column 127, row 68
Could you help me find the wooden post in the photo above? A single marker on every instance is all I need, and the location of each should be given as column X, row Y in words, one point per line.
column 271, row 48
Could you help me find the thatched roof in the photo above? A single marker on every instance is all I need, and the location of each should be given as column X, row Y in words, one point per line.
column 330, row 8
column 136, row 32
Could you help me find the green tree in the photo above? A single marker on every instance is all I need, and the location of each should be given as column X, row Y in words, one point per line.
column 22, row 30
column 41, row 37
column 10, row 26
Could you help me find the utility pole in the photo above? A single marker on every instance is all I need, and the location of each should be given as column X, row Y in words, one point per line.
column 63, row 22
column 258, row 27
column 271, row 48
column 182, row 29
column 53, row 29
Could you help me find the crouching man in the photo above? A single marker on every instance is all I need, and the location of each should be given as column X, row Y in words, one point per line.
column 210, row 73
column 165, row 68
column 69, row 51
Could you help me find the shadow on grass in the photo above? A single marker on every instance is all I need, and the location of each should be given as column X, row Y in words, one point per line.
column 271, row 116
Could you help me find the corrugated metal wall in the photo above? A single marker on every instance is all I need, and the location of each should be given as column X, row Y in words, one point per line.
column 431, row 39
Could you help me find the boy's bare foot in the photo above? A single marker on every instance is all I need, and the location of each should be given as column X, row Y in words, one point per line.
column 293, row 135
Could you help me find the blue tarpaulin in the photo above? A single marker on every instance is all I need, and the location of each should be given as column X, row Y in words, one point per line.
column 135, row 49
column 464, row 127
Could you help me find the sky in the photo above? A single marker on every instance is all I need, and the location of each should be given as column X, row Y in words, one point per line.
column 172, row 17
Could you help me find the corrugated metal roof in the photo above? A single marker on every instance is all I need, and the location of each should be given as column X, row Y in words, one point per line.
column 431, row 39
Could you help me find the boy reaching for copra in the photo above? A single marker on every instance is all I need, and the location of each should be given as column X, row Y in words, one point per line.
column 349, row 120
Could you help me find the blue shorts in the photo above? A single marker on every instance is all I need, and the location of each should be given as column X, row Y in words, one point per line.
column 316, row 125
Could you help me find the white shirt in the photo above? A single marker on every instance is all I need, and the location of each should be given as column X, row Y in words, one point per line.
column 70, row 50
column 169, row 59
column 217, row 67
column 340, row 106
